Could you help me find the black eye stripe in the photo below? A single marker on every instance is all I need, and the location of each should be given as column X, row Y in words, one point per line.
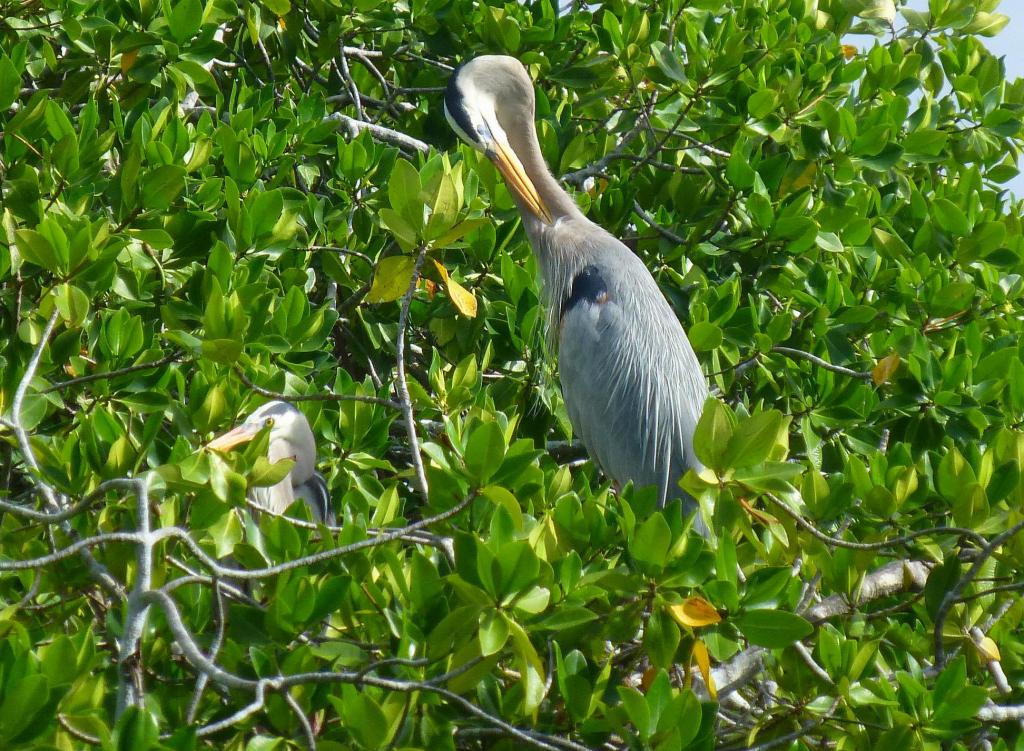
column 454, row 103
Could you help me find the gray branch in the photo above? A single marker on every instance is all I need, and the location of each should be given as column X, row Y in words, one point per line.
column 402, row 386
column 800, row 354
column 379, row 133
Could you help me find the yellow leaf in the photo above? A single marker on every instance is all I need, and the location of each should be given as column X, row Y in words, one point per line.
column 391, row 279
column 462, row 298
column 849, row 51
column 128, row 60
column 988, row 649
column 700, row 656
column 884, row 369
column 792, row 182
column 695, row 612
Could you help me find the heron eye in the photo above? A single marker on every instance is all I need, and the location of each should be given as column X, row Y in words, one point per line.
column 269, row 422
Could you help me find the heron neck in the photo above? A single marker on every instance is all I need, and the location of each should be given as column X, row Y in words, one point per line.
column 302, row 470
column 561, row 205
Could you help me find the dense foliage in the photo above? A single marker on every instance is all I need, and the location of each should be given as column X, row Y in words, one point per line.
column 206, row 205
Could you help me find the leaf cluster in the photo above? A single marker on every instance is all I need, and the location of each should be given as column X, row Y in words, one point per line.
column 208, row 204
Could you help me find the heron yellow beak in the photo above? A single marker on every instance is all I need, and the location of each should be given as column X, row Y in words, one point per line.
column 517, row 180
column 232, row 438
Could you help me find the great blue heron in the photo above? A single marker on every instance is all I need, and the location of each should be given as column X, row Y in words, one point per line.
column 632, row 385
column 290, row 438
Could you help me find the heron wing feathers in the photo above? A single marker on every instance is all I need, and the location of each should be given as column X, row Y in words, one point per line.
column 632, row 385
column 314, row 492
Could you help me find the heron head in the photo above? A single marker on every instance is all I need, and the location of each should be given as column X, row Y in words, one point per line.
column 290, row 437
column 486, row 99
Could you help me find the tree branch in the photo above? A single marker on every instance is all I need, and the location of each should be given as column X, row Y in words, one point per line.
column 402, row 386
column 313, row 397
column 800, row 354
column 379, row 133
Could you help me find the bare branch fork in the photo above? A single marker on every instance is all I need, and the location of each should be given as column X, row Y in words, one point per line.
column 54, row 501
column 142, row 595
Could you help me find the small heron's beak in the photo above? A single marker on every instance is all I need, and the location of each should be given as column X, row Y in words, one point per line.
column 516, row 178
column 232, row 438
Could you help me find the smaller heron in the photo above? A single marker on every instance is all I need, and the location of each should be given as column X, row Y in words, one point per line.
column 290, row 438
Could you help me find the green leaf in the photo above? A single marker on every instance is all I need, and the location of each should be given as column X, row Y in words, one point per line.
column 772, row 628
column 941, row 579
column 764, row 585
column 72, row 303
column 531, row 669
column 136, row 730
column 266, row 473
column 10, row 83
column 535, row 600
column 761, row 103
column 714, row 430
column 185, row 19
column 566, row 617
column 161, row 186
column 518, row 567
column 280, row 8
column 637, row 711
column 739, row 172
column 829, row 241
column 669, row 63
column 926, row 141
column 362, row 716
column 494, row 632
column 404, row 190
column 485, row 448
column 986, row 24
column 404, row 232
column 753, row 439
column 24, row 699
column 35, row 248
column 705, row 336
column 950, row 217
column 651, row 543
column 445, row 209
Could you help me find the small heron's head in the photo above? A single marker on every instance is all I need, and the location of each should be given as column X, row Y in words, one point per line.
column 290, row 437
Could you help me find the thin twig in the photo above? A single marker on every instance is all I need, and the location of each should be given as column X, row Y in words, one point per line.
column 798, row 353
column 59, row 386
column 218, row 640
column 261, row 573
column 307, row 729
column 653, row 224
column 882, row 544
column 347, row 76
column 313, row 397
column 953, row 594
column 402, row 385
